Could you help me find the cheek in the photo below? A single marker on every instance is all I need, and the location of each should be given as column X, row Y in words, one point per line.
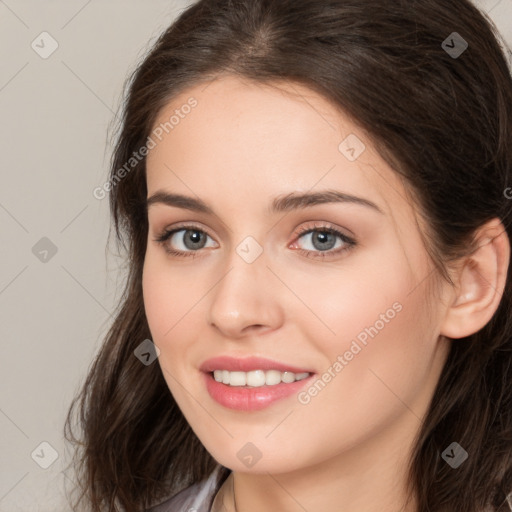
column 172, row 303
column 347, row 300
column 382, row 354
column 156, row 296
column 164, row 297
column 375, row 373
column 373, row 326
column 166, row 303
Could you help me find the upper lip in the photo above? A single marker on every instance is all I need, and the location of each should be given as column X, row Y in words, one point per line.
column 247, row 364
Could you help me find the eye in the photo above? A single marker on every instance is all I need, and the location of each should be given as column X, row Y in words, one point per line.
column 188, row 239
column 324, row 240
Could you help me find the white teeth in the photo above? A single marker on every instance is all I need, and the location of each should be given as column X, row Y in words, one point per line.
column 288, row 377
column 272, row 377
column 257, row 378
column 237, row 379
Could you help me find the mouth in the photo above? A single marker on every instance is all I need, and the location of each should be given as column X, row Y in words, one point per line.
column 252, row 384
column 256, row 389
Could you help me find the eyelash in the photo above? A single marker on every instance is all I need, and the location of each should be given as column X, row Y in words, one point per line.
column 350, row 243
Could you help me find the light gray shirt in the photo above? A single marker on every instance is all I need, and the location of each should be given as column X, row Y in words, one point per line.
column 195, row 498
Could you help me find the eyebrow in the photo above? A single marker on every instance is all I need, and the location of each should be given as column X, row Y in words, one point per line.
column 286, row 203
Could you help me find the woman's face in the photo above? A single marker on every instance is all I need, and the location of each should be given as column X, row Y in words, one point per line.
column 336, row 285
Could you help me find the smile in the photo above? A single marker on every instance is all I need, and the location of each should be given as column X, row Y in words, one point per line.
column 253, row 398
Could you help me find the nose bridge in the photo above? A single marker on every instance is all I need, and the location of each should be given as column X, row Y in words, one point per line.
column 242, row 297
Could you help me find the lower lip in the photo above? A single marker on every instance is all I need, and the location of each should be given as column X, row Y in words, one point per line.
column 251, row 399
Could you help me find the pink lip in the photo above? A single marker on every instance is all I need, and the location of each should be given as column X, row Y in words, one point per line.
column 247, row 364
column 247, row 398
column 251, row 399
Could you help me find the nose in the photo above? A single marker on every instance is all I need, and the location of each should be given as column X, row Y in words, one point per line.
column 246, row 300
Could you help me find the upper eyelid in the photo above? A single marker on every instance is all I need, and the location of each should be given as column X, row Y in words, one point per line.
column 325, row 225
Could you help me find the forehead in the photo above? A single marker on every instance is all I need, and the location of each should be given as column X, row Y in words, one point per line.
column 261, row 140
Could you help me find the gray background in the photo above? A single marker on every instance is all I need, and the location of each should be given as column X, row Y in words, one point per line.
column 56, row 115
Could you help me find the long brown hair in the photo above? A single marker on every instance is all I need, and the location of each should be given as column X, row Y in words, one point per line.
column 442, row 121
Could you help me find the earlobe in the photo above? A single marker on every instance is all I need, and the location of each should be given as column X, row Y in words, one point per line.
column 480, row 283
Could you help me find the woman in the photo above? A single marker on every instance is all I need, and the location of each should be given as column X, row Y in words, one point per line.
column 315, row 201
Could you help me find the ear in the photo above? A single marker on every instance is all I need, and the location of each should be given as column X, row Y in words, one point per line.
column 479, row 283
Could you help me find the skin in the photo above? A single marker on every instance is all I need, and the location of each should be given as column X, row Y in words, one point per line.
column 348, row 448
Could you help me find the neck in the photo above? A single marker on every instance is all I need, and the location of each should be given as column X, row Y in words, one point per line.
column 369, row 479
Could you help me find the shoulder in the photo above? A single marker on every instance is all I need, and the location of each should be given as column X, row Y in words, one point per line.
column 195, row 498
